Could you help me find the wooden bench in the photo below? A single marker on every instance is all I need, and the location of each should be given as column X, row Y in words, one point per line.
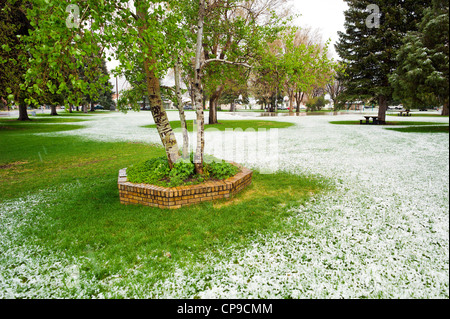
column 404, row 113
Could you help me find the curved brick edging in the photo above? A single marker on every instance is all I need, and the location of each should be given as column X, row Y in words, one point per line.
column 177, row 197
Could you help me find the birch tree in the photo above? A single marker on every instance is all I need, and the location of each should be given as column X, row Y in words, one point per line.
column 145, row 36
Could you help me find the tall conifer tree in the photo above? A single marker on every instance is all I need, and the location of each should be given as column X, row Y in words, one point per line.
column 422, row 78
column 370, row 42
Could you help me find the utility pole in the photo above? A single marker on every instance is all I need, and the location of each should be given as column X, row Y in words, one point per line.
column 117, row 88
column 117, row 92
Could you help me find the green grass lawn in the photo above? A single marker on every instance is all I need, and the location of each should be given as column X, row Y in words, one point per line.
column 45, row 119
column 421, row 129
column 389, row 123
column 66, row 113
column 223, row 125
column 84, row 218
column 423, row 114
column 411, row 126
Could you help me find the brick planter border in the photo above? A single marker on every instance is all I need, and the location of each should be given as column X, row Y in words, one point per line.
column 177, row 197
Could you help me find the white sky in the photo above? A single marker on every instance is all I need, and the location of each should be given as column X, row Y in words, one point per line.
column 324, row 15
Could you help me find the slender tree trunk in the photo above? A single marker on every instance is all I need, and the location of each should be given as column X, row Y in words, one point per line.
column 70, row 108
column 204, row 102
column 180, row 109
column 53, row 110
column 198, row 92
column 92, row 107
column 299, row 99
column 191, row 93
column 445, row 111
column 212, row 110
column 23, row 113
column 335, row 105
column 213, row 105
column 382, row 109
column 78, row 108
column 159, row 114
column 233, row 107
column 291, row 102
column 276, row 103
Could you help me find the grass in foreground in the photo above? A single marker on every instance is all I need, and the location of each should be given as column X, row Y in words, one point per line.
column 90, row 222
column 223, row 125
column 30, row 162
column 83, row 218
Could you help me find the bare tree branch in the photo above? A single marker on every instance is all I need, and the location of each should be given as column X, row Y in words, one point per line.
column 226, row 62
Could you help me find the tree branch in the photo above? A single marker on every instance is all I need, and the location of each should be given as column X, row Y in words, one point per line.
column 168, row 88
column 126, row 10
column 226, row 62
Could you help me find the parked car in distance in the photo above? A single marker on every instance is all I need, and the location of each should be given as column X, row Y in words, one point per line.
column 99, row 107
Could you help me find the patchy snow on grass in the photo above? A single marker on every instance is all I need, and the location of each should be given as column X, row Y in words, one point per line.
column 382, row 233
column 28, row 270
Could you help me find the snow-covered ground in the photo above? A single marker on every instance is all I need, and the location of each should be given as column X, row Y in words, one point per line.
column 384, row 231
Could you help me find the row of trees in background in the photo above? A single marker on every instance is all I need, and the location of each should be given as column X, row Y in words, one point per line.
column 209, row 42
column 222, row 49
column 246, row 51
column 295, row 65
column 25, row 74
column 397, row 54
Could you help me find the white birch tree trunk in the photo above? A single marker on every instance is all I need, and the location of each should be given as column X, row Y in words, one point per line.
column 179, row 95
column 198, row 92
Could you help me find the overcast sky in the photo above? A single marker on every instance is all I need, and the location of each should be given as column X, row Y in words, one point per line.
column 325, row 15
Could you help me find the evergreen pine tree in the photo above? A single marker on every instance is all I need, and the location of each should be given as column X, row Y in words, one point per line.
column 370, row 43
column 104, row 89
column 105, row 97
column 422, row 78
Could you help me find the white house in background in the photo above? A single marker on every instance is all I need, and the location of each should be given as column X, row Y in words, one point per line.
column 169, row 81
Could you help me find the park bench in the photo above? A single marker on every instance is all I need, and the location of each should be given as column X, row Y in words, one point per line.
column 404, row 113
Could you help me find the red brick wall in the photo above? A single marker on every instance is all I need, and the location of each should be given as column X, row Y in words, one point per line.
column 177, row 197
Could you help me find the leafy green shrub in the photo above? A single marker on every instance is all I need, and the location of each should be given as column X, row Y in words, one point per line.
column 181, row 171
column 156, row 171
column 149, row 172
column 220, row 170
